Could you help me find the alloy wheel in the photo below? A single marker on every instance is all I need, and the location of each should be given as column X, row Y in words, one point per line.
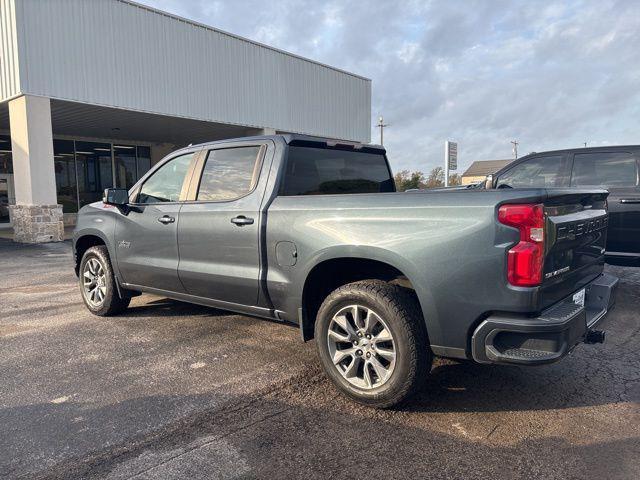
column 94, row 280
column 361, row 347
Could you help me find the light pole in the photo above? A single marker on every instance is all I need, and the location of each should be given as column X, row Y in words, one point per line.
column 381, row 126
column 515, row 148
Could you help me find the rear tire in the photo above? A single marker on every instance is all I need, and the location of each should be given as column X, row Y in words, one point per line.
column 379, row 362
column 98, row 283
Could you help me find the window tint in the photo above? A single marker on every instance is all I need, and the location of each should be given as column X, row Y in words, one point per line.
column 613, row 169
column 229, row 173
column 540, row 172
column 165, row 184
column 321, row 171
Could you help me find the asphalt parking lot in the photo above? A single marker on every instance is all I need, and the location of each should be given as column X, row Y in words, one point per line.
column 171, row 390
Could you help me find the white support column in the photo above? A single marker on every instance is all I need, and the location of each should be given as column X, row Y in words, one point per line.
column 268, row 131
column 36, row 216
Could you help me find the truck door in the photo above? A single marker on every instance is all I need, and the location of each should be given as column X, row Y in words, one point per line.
column 219, row 229
column 146, row 238
column 617, row 171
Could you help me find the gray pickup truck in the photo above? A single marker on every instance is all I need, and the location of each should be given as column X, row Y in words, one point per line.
column 310, row 231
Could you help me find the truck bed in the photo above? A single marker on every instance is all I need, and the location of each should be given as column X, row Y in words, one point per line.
column 449, row 245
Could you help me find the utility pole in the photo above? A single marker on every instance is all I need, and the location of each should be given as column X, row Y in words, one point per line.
column 381, row 126
column 515, row 148
column 585, row 144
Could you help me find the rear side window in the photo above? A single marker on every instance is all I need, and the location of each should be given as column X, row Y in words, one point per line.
column 323, row 171
column 609, row 169
column 538, row 172
column 229, row 173
column 166, row 183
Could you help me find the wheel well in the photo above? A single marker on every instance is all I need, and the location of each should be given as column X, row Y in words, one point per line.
column 331, row 274
column 82, row 245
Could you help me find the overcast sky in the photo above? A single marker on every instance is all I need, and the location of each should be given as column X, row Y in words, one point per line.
column 549, row 74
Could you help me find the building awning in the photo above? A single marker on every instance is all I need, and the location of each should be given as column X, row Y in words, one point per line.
column 94, row 121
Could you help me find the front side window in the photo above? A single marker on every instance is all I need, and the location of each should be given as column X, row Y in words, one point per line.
column 538, row 172
column 323, row 171
column 609, row 169
column 166, row 183
column 229, row 173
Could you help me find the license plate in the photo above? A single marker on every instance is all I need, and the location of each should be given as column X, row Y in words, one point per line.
column 578, row 298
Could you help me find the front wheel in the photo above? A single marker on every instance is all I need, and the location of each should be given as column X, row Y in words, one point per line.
column 98, row 283
column 372, row 343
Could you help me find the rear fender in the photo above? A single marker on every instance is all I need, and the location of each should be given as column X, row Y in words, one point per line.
column 412, row 273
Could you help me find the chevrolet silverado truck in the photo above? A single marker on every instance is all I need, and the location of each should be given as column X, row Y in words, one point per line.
column 311, row 232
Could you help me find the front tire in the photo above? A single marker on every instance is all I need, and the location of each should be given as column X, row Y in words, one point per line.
column 98, row 283
column 372, row 342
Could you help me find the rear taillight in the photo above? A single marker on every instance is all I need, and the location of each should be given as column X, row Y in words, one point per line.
column 525, row 261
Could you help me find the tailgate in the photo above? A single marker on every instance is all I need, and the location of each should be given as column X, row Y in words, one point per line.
column 575, row 239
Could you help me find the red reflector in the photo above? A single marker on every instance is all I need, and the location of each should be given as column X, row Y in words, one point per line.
column 525, row 261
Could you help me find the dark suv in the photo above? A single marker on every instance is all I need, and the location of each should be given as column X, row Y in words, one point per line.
column 613, row 168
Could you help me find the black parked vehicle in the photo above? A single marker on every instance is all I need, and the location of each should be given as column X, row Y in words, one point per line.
column 613, row 168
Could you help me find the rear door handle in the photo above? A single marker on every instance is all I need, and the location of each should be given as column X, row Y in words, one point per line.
column 630, row 200
column 166, row 219
column 241, row 220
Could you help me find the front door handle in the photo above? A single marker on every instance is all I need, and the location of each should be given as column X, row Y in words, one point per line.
column 166, row 219
column 241, row 220
column 630, row 200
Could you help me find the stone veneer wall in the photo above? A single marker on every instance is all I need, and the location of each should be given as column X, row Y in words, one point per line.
column 37, row 223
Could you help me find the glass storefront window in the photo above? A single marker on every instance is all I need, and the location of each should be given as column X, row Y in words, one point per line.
column 6, row 171
column 124, row 157
column 83, row 170
column 144, row 160
column 6, row 163
column 65, row 167
column 93, row 166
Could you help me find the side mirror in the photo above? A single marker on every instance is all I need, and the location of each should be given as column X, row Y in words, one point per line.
column 488, row 182
column 118, row 197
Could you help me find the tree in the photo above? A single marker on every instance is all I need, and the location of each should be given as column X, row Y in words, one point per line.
column 406, row 180
column 435, row 178
column 455, row 179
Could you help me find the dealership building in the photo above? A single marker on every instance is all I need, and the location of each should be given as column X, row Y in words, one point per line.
column 93, row 93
